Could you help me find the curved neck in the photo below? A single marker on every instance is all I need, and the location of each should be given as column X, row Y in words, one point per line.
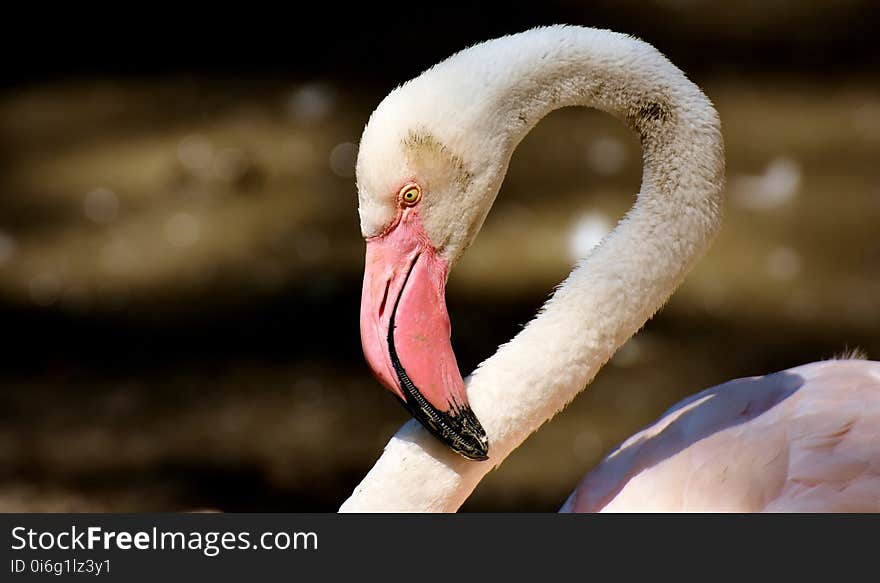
column 613, row 291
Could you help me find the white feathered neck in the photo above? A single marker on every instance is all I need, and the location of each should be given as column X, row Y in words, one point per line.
column 504, row 87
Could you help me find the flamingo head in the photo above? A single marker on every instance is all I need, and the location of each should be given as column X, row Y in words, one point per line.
column 424, row 190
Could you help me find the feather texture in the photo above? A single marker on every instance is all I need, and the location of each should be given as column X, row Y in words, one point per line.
column 805, row 439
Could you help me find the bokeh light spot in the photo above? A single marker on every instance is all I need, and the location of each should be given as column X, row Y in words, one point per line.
column 776, row 187
column 101, row 205
column 587, row 232
column 311, row 103
column 342, row 159
column 182, row 230
column 783, row 263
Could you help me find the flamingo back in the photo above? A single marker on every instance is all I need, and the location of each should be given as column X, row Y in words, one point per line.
column 806, row 439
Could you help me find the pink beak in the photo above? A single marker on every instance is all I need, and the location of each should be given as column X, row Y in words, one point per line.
column 405, row 332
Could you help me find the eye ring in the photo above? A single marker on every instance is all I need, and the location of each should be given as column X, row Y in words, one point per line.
column 410, row 194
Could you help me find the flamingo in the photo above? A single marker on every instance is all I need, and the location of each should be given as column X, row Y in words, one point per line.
column 431, row 161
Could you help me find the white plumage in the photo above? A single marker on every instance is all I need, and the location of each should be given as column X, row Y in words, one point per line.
column 800, row 440
column 453, row 129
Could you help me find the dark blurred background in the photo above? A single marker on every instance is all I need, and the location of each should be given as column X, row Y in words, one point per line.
column 180, row 258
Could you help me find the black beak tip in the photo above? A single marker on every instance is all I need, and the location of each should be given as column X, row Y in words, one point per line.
column 463, row 433
column 468, row 437
column 472, row 447
column 458, row 428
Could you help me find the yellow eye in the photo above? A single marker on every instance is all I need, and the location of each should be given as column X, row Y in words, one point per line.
column 410, row 194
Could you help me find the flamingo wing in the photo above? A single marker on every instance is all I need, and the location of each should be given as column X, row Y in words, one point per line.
column 804, row 439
